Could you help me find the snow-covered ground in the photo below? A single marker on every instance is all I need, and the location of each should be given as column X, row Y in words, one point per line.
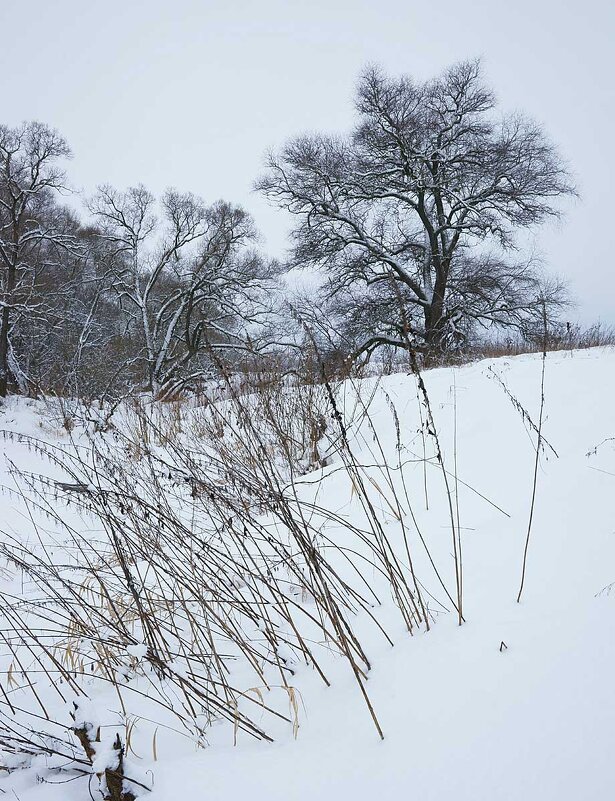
column 517, row 703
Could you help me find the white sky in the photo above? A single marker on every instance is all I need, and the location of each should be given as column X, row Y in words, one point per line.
column 191, row 93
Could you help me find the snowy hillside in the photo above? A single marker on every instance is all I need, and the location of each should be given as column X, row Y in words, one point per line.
column 516, row 703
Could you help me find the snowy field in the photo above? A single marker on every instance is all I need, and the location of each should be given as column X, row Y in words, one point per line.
column 516, row 703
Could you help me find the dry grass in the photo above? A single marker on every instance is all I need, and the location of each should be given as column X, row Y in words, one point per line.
column 196, row 573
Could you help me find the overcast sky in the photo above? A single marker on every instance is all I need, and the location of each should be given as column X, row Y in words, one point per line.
column 191, row 93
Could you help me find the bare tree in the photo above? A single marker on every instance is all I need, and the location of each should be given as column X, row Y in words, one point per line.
column 189, row 279
column 70, row 343
column 420, row 204
column 33, row 230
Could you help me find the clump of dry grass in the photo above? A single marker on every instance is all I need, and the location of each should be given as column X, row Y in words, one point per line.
column 196, row 572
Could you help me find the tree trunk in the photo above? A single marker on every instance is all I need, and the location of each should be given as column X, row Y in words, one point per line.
column 434, row 324
column 5, row 325
column 4, row 352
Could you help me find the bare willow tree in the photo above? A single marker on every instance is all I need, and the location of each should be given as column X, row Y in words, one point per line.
column 188, row 281
column 413, row 215
column 34, row 231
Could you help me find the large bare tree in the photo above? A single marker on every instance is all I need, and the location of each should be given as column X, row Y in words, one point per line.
column 412, row 215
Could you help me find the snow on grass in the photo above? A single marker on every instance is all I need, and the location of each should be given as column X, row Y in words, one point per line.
column 519, row 702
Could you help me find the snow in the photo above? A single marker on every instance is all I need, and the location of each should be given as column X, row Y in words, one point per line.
column 519, row 701
column 138, row 651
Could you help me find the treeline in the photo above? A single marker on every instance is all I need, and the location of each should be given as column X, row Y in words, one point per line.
column 410, row 219
column 134, row 298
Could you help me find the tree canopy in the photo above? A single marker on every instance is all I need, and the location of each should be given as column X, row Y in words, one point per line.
column 413, row 214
